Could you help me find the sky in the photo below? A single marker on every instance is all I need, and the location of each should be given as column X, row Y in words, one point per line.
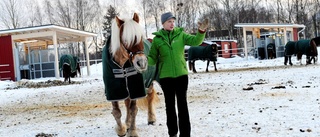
column 284, row 102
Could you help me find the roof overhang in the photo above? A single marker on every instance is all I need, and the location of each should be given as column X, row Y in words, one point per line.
column 268, row 25
column 39, row 35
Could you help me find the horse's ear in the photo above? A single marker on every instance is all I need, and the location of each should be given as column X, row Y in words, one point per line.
column 136, row 17
column 119, row 21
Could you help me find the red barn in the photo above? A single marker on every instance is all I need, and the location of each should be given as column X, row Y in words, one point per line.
column 227, row 48
column 6, row 59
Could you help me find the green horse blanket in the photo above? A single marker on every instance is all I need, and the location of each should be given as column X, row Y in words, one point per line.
column 69, row 59
column 300, row 46
column 125, row 82
column 202, row 53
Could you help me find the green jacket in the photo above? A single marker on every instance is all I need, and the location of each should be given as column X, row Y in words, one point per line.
column 168, row 48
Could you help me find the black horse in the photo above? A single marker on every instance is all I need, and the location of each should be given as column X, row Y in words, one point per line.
column 203, row 53
column 302, row 47
column 271, row 48
column 69, row 65
column 75, row 73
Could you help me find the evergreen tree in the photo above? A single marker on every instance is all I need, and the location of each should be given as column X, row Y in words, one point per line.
column 111, row 14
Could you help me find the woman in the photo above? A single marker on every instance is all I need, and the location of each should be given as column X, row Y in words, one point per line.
column 168, row 51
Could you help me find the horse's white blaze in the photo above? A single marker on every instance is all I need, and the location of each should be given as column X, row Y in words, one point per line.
column 140, row 62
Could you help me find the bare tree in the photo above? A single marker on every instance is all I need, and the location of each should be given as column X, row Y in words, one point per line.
column 49, row 11
column 64, row 13
column 11, row 13
column 35, row 16
column 155, row 8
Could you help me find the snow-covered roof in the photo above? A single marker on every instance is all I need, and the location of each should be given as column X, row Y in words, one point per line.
column 44, row 33
column 269, row 25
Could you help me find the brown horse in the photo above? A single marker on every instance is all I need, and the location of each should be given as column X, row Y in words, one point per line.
column 126, row 74
column 302, row 47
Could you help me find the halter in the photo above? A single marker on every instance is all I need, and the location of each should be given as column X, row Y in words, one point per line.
column 131, row 53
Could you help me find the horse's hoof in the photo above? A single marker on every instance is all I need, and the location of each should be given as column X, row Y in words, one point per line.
column 122, row 135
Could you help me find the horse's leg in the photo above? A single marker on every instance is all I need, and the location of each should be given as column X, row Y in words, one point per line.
column 132, row 132
column 290, row 61
column 190, row 64
column 308, row 60
column 285, row 59
column 299, row 57
column 78, row 69
column 127, row 103
column 121, row 129
column 151, row 101
column 193, row 66
column 208, row 62
column 215, row 66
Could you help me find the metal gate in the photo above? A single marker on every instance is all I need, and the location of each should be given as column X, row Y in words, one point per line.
column 39, row 63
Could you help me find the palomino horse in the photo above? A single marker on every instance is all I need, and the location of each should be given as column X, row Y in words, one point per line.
column 208, row 53
column 126, row 73
column 302, row 47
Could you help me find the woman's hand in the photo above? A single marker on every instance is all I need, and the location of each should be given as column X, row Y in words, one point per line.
column 203, row 25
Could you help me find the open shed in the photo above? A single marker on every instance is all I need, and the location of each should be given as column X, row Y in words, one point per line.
column 290, row 31
column 38, row 36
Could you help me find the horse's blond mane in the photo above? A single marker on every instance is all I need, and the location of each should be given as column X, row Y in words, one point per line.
column 131, row 30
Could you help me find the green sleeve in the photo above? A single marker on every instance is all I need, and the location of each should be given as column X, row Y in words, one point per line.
column 153, row 54
column 194, row 40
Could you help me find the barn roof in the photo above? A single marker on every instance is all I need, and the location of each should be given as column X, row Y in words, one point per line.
column 269, row 25
column 44, row 33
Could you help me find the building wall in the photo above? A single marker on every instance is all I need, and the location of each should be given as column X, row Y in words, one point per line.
column 6, row 59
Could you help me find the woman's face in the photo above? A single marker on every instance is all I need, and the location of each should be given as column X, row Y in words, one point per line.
column 169, row 24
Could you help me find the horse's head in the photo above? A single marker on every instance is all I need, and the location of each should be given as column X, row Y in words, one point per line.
column 214, row 47
column 66, row 68
column 127, row 42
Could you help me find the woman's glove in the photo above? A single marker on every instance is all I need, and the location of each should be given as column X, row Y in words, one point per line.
column 204, row 25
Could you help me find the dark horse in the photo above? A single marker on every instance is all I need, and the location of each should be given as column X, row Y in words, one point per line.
column 126, row 74
column 69, row 65
column 271, row 49
column 75, row 73
column 302, row 47
column 208, row 53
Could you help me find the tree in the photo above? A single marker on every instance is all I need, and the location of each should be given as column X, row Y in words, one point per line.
column 49, row 11
column 11, row 13
column 111, row 14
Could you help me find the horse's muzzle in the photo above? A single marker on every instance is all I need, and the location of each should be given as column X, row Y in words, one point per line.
column 140, row 63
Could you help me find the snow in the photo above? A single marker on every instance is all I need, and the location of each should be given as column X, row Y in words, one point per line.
column 218, row 103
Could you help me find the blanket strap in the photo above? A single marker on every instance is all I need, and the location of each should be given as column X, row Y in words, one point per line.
column 126, row 72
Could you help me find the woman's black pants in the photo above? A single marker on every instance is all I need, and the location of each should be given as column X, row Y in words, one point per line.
column 176, row 88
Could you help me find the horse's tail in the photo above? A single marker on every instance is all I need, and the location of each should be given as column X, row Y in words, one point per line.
column 152, row 96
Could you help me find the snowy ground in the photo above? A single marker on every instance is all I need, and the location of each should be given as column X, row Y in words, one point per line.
column 284, row 101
